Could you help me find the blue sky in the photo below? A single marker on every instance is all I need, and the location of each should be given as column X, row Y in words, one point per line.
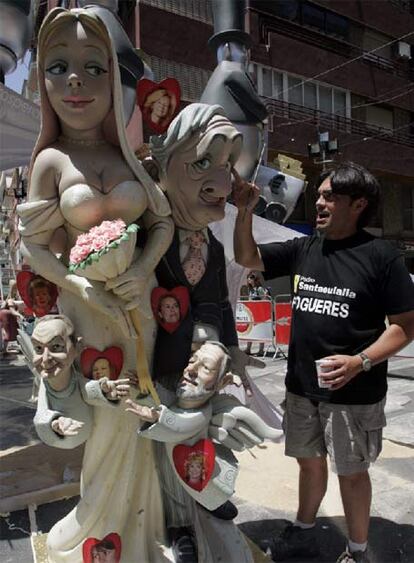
column 15, row 80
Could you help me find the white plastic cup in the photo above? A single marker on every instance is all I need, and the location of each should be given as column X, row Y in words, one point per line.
column 323, row 366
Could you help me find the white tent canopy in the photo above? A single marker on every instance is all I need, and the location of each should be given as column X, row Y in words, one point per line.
column 263, row 231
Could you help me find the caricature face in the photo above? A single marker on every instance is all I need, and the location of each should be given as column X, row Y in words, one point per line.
column 199, row 379
column 198, row 176
column 169, row 310
column 101, row 368
column 41, row 297
column 101, row 554
column 195, row 470
column 160, row 108
column 77, row 78
column 54, row 351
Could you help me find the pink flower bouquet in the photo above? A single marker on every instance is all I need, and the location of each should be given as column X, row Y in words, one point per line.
column 105, row 251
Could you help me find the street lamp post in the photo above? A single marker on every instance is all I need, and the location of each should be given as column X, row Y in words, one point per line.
column 323, row 148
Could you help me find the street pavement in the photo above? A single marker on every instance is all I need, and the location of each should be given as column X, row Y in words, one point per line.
column 266, row 492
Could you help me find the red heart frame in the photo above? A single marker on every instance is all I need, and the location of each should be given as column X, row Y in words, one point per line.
column 114, row 355
column 181, row 294
column 91, row 542
column 203, row 451
column 147, row 87
column 24, row 280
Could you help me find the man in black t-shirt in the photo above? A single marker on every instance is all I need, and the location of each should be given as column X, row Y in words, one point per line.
column 344, row 283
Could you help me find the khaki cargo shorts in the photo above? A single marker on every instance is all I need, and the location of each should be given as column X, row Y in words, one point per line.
column 350, row 434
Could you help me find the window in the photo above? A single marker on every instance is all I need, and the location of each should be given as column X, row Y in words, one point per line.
column 325, row 99
column 313, row 16
column 373, row 40
column 300, row 91
column 267, row 86
column 380, row 117
column 309, row 95
column 340, row 103
column 294, row 92
column 324, row 21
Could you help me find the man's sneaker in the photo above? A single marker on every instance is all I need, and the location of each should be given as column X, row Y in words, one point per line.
column 294, row 542
column 354, row 557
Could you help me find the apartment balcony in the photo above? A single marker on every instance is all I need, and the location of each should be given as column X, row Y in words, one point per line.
column 300, row 115
column 272, row 24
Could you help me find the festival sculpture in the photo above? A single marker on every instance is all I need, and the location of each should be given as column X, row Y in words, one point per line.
column 207, row 470
column 87, row 192
column 82, row 173
column 64, row 416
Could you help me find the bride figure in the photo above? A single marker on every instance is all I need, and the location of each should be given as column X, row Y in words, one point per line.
column 83, row 172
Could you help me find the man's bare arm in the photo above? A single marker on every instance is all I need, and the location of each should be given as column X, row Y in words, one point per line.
column 245, row 196
column 398, row 334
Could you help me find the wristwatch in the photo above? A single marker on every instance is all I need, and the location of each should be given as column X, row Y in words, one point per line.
column 366, row 362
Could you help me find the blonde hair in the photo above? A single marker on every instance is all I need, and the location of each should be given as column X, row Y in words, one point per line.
column 195, row 457
column 114, row 123
column 155, row 96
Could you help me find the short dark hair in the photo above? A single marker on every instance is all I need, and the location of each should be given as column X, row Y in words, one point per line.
column 349, row 178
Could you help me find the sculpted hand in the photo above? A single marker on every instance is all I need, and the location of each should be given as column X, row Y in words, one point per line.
column 66, row 426
column 149, row 414
column 114, row 390
column 128, row 285
column 131, row 287
column 245, row 195
column 344, row 368
column 132, row 378
column 108, row 304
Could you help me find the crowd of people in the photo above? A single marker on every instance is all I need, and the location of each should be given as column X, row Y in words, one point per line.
column 9, row 323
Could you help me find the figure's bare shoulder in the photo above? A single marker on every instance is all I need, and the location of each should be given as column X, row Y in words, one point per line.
column 46, row 173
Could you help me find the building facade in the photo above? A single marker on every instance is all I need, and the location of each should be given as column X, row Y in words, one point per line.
column 342, row 67
column 339, row 66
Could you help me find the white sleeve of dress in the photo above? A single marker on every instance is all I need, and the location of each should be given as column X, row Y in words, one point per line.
column 36, row 215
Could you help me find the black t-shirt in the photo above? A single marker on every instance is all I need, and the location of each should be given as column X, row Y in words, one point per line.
column 341, row 293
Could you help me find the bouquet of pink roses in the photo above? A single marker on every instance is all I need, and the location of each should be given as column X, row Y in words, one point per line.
column 105, row 251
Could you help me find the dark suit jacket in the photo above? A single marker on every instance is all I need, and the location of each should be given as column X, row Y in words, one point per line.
column 209, row 304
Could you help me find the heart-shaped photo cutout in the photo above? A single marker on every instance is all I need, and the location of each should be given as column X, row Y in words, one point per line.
column 195, row 464
column 38, row 294
column 159, row 102
column 107, row 363
column 107, row 549
column 170, row 306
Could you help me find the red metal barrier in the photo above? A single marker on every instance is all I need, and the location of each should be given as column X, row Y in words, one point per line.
column 254, row 320
column 283, row 319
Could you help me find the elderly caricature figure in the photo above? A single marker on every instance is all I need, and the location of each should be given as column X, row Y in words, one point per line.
column 197, row 414
column 193, row 163
column 64, row 394
column 83, row 172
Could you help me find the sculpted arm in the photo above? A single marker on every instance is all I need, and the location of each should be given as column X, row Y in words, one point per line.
column 40, row 217
column 56, row 430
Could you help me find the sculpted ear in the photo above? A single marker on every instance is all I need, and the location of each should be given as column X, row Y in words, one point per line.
column 229, row 379
column 152, row 167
